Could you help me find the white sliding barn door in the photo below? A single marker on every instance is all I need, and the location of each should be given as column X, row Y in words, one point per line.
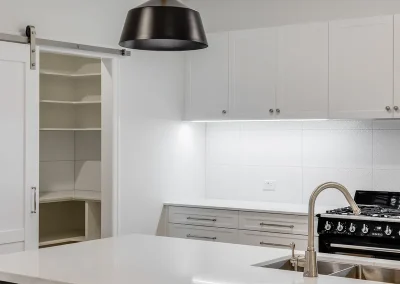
column 19, row 105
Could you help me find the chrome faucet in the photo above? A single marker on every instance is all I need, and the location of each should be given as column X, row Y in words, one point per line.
column 310, row 268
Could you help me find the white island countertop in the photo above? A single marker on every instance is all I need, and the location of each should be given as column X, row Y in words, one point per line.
column 272, row 207
column 154, row 260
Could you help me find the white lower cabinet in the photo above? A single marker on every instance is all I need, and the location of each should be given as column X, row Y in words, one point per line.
column 269, row 222
column 203, row 217
column 238, row 227
column 203, row 233
column 275, row 240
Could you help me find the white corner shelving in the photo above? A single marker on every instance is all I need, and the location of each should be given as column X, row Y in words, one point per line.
column 70, row 149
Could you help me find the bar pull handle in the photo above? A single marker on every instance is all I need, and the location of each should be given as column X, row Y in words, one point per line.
column 277, row 225
column 34, row 200
column 200, row 237
column 291, row 245
column 201, row 219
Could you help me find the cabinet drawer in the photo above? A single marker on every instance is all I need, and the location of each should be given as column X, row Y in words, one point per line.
column 273, row 240
column 268, row 222
column 203, row 233
column 203, row 217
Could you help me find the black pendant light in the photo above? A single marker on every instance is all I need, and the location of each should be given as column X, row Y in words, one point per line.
column 165, row 25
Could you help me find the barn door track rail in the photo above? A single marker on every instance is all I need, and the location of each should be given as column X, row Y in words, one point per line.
column 31, row 39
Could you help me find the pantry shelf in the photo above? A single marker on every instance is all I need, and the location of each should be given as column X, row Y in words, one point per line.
column 70, row 102
column 70, row 129
column 69, row 195
column 67, row 237
column 72, row 75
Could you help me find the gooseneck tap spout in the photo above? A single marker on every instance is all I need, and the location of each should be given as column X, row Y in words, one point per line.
column 310, row 269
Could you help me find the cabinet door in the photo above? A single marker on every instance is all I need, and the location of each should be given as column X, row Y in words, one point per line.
column 396, row 66
column 253, row 73
column 302, row 84
column 207, row 83
column 19, row 151
column 361, row 68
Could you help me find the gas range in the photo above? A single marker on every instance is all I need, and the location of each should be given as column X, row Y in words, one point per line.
column 374, row 233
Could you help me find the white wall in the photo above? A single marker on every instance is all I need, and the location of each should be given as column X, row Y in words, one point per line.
column 222, row 15
column 160, row 157
column 96, row 22
column 363, row 155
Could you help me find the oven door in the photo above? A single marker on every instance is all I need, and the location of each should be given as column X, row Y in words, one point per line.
column 360, row 246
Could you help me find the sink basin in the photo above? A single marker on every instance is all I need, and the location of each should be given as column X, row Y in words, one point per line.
column 324, row 267
column 371, row 273
column 342, row 269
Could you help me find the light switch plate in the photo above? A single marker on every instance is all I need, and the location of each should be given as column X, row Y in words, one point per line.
column 269, row 185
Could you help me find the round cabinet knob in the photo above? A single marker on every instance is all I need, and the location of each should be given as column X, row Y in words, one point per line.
column 278, row 110
column 224, row 112
column 352, row 228
column 396, row 108
column 271, row 110
column 340, row 227
column 387, row 108
column 365, row 229
column 328, row 226
column 388, row 231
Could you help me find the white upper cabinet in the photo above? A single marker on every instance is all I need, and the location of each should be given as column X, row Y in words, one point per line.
column 396, row 107
column 302, row 82
column 253, row 63
column 207, row 83
column 361, row 68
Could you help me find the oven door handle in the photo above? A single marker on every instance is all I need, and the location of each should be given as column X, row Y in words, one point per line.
column 365, row 248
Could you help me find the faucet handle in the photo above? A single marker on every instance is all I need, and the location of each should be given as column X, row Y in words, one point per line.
column 292, row 247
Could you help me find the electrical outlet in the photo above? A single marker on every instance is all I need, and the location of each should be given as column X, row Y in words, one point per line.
column 269, row 185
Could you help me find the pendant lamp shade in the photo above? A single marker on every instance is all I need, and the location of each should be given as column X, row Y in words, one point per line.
column 164, row 25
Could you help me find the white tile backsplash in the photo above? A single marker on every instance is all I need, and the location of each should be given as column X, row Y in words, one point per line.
column 387, row 180
column 337, row 148
column 240, row 156
column 288, row 184
column 387, row 149
column 259, row 147
column 223, row 181
column 353, row 179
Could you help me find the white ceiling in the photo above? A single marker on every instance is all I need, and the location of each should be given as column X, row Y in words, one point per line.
column 219, row 15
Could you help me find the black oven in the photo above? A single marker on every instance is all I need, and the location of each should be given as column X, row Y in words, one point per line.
column 360, row 246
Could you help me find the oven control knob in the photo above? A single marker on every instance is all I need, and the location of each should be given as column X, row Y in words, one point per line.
column 328, row 226
column 340, row 227
column 352, row 228
column 388, row 231
column 364, row 229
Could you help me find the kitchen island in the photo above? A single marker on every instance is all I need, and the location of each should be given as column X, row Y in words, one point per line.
column 146, row 259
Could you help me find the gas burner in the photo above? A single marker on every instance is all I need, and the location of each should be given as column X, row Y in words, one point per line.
column 368, row 210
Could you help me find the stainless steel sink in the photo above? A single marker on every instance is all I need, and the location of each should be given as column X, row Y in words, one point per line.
column 372, row 273
column 324, row 267
column 342, row 269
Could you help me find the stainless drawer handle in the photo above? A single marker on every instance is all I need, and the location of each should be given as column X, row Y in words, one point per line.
column 277, row 225
column 291, row 245
column 201, row 219
column 366, row 248
column 200, row 237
